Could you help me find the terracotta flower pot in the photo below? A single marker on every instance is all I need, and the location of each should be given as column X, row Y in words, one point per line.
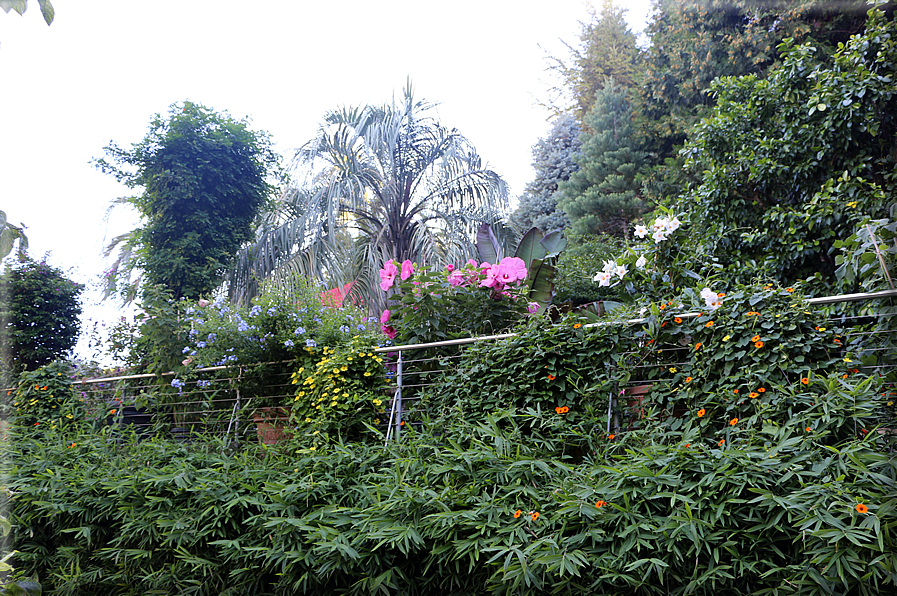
column 634, row 397
column 271, row 425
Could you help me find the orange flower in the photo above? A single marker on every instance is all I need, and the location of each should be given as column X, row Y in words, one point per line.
column 753, row 394
column 844, row 376
column 611, row 437
column 600, row 504
column 551, row 377
column 402, row 423
column 758, row 344
column 687, row 445
column 44, row 388
column 688, row 379
column 701, row 413
column 535, row 515
column 698, row 346
column 678, row 320
column 735, row 391
column 708, row 324
column 721, row 442
column 721, row 295
column 761, row 390
column 112, row 411
column 755, row 338
column 733, row 422
column 805, row 381
column 837, row 341
column 752, row 313
column 789, row 289
column 577, row 326
column 663, row 306
column 664, row 324
column 809, row 429
column 72, row 446
column 36, row 387
column 862, row 508
column 517, row 514
column 557, row 409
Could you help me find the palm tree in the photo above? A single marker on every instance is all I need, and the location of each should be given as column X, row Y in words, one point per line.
column 376, row 183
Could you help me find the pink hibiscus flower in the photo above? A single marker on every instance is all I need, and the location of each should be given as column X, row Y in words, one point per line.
column 384, row 318
column 388, row 275
column 511, row 269
column 407, row 270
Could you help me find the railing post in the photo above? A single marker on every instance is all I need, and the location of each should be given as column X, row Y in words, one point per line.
column 398, row 397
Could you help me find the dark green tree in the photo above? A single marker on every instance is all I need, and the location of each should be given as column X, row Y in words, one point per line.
column 606, row 50
column 204, row 177
column 796, row 161
column 602, row 197
column 694, row 42
column 39, row 310
column 553, row 161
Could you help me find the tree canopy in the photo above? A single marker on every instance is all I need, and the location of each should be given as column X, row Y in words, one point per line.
column 376, row 183
column 204, row 177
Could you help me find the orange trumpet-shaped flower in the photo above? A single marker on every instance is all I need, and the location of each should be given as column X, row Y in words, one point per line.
column 862, row 508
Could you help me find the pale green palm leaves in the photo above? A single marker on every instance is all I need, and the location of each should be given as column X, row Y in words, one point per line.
column 376, row 183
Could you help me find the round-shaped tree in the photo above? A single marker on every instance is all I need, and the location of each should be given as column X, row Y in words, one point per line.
column 39, row 310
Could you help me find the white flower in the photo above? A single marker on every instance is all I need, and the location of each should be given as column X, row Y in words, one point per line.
column 641, row 262
column 641, row 231
column 707, row 294
column 609, row 267
column 661, row 224
column 674, row 224
column 603, row 278
column 659, row 236
column 620, row 271
column 714, row 304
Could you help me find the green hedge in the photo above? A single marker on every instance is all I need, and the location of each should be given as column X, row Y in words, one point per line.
column 789, row 491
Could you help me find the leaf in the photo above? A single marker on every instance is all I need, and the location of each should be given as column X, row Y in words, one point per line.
column 554, row 243
column 488, row 246
column 46, row 9
column 17, row 5
column 530, row 248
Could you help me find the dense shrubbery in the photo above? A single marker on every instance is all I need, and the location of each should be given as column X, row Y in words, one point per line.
column 515, row 486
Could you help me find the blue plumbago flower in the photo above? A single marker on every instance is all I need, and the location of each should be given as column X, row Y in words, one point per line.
column 303, row 309
column 177, row 383
column 317, row 320
column 362, row 328
column 242, row 326
column 255, row 311
column 200, row 321
column 310, row 343
column 299, row 331
column 272, row 311
column 344, row 328
column 289, row 343
column 192, row 332
column 203, row 383
column 212, row 337
column 200, row 344
column 232, row 358
column 190, row 310
column 185, row 350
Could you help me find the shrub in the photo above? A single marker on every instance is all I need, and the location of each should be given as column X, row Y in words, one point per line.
column 39, row 316
column 45, row 397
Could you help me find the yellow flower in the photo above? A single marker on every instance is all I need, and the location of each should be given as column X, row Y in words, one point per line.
column 727, row 338
column 376, row 421
column 332, row 404
column 377, row 402
column 336, row 371
column 349, row 359
column 852, row 204
column 367, row 373
column 673, row 369
column 312, row 448
column 308, row 419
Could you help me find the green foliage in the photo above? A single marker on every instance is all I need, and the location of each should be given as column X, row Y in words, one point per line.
column 8, row 236
column 797, row 161
column 607, row 50
column 601, row 196
column 39, row 310
column 553, row 163
column 45, row 397
column 20, row 6
column 340, row 392
column 434, row 306
column 204, row 177
column 577, row 266
column 868, row 255
column 693, row 43
column 376, row 183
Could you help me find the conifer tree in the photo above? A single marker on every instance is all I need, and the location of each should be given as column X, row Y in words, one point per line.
column 553, row 161
column 601, row 197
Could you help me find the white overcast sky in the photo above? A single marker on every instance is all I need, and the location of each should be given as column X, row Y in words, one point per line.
column 104, row 67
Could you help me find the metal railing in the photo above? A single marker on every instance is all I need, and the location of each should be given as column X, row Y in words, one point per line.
column 222, row 405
